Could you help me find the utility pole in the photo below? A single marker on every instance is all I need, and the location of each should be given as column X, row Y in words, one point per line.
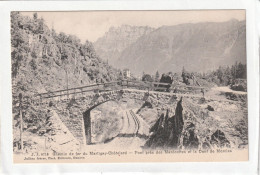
column 21, row 120
column 67, row 81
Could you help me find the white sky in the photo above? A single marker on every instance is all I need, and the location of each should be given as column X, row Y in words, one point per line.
column 90, row 25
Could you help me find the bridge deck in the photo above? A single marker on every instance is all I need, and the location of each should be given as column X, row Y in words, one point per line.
column 137, row 86
column 115, row 85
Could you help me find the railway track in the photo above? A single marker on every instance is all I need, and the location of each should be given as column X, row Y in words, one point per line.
column 128, row 121
column 136, row 120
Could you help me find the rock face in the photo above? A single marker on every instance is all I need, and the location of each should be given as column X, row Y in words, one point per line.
column 110, row 46
column 175, row 133
column 177, row 126
column 43, row 60
column 167, row 131
column 190, row 140
column 218, row 139
column 198, row 47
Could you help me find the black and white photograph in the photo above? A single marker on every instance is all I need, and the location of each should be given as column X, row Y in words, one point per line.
column 124, row 86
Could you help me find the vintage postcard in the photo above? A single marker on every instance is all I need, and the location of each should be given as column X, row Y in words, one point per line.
column 129, row 86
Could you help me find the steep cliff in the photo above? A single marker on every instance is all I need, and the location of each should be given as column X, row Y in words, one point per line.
column 197, row 124
column 43, row 60
column 110, row 46
column 199, row 47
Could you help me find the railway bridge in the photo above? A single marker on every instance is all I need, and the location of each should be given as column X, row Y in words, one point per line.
column 75, row 104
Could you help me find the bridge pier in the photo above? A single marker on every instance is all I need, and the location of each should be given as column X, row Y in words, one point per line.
column 87, row 126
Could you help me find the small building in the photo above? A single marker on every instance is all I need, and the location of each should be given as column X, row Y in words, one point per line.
column 127, row 73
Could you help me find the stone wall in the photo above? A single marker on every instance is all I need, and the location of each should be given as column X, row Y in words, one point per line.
column 71, row 111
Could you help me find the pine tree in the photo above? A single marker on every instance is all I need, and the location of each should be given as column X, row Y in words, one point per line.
column 157, row 76
column 35, row 16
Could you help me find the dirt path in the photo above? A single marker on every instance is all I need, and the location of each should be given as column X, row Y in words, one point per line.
column 218, row 94
column 227, row 89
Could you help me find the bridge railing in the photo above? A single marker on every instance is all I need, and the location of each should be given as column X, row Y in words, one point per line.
column 157, row 86
column 79, row 90
column 117, row 85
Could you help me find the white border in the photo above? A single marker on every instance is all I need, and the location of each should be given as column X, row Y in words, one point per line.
column 249, row 167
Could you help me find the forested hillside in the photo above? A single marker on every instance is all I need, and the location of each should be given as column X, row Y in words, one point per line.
column 43, row 60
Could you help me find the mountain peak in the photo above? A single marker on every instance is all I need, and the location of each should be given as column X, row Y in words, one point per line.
column 117, row 39
column 198, row 47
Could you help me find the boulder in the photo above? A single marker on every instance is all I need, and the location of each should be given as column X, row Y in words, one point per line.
column 219, row 139
column 210, row 108
column 167, row 130
column 190, row 139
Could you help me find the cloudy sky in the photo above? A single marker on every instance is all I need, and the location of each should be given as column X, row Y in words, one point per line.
column 91, row 25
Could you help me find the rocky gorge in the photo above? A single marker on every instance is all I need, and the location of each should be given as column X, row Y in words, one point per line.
column 198, row 124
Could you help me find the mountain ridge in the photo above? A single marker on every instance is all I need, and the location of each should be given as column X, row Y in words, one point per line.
column 197, row 46
column 116, row 39
column 178, row 45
